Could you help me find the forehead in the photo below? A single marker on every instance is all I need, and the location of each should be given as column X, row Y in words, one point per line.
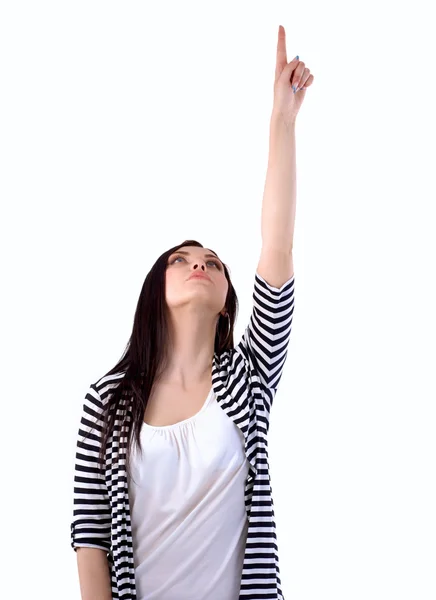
column 196, row 250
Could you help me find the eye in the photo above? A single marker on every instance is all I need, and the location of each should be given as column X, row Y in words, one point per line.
column 214, row 262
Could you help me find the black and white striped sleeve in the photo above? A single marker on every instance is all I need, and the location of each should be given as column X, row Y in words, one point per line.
column 265, row 341
column 91, row 524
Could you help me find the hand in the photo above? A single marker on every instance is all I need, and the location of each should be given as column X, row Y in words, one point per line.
column 287, row 102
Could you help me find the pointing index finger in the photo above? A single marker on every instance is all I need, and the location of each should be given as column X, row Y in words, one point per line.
column 281, row 47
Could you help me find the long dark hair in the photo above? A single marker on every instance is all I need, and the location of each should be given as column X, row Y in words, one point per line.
column 146, row 352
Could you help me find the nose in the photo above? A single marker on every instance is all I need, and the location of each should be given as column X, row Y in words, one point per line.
column 196, row 265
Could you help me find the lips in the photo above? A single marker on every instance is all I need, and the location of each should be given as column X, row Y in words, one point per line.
column 199, row 276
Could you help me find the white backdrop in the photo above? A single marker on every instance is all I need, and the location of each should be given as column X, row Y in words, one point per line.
column 127, row 128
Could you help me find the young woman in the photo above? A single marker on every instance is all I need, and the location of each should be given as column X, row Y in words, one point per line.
column 172, row 494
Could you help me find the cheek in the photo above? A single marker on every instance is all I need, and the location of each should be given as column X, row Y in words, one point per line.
column 224, row 286
column 171, row 285
column 175, row 285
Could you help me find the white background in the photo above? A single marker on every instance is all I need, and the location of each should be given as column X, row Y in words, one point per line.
column 129, row 127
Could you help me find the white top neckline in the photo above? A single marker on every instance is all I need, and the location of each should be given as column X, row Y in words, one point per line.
column 179, row 423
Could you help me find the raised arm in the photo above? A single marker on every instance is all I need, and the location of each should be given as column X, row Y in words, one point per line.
column 279, row 199
column 264, row 343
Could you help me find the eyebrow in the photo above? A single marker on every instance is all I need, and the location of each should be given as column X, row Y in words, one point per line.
column 206, row 255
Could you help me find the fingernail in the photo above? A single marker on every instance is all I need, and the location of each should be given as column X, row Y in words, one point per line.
column 297, row 57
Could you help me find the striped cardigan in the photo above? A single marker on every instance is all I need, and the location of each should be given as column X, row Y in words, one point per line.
column 245, row 381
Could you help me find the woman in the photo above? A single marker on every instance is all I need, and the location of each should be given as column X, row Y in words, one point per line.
column 172, row 496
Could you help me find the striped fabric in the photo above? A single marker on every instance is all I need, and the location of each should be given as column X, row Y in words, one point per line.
column 245, row 381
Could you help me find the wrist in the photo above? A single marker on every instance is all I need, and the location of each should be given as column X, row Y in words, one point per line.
column 280, row 122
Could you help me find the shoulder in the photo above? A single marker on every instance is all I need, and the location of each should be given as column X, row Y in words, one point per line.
column 106, row 384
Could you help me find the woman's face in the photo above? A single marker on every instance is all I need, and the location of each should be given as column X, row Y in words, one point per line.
column 180, row 289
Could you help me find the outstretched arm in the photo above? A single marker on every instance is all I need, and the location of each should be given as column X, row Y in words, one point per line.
column 279, row 199
column 278, row 207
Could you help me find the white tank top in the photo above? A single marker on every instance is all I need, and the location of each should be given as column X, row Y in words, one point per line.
column 189, row 523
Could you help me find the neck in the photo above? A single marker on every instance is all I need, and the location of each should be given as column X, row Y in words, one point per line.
column 190, row 349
